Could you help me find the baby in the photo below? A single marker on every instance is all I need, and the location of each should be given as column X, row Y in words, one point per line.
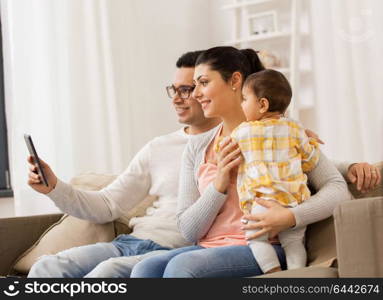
column 276, row 154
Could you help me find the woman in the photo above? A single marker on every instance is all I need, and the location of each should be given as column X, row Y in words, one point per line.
column 208, row 211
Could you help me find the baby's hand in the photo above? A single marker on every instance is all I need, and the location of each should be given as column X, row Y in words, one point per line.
column 313, row 135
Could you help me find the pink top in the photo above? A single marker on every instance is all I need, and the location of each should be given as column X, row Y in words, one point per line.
column 226, row 228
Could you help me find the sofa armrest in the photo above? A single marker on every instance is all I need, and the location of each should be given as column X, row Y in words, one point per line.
column 359, row 239
column 18, row 234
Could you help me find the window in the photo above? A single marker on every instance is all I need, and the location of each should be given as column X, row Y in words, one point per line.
column 5, row 182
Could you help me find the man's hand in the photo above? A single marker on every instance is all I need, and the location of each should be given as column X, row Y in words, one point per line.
column 365, row 176
column 34, row 179
column 276, row 219
column 313, row 135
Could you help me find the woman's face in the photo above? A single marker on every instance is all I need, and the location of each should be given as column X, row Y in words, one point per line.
column 212, row 92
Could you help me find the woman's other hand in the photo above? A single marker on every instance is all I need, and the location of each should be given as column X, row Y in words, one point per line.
column 274, row 220
column 229, row 157
column 313, row 135
column 34, row 179
column 365, row 176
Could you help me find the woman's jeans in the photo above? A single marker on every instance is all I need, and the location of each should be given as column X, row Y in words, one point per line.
column 197, row 262
column 108, row 260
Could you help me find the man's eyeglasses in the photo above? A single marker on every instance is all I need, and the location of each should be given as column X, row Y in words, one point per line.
column 183, row 91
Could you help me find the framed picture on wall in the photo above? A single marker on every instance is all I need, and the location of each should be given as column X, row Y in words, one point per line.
column 263, row 23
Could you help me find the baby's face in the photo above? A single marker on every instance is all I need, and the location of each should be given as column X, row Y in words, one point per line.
column 250, row 105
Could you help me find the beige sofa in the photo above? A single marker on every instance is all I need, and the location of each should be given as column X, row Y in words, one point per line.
column 350, row 244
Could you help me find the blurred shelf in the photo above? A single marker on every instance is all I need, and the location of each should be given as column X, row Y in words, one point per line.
column 245, row 4
column 260, row 37
column 282, row 70
column 286, row 41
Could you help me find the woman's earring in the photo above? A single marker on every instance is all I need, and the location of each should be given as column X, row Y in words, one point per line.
column 233, row 88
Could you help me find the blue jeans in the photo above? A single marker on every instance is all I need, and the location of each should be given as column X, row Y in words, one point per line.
column 114, row 259
column 197, row 262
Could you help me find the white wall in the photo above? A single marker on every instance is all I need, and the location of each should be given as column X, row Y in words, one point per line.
column 147, row 37
column 144, row 55
column 145, row 63
column 220, row 22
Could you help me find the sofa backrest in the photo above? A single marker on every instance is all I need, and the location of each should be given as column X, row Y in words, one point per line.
column 320, row 236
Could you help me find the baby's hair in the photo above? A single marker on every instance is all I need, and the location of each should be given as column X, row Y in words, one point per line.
column 273, row 86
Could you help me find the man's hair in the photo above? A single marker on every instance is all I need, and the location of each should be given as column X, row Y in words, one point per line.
column 273, row 86
column 188, row 59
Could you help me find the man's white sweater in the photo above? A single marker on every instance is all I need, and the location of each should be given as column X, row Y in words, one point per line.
column 154, row 171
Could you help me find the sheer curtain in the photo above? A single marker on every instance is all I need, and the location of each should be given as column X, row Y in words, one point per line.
column 60, row 89
column 86, row 79
column 348, row 65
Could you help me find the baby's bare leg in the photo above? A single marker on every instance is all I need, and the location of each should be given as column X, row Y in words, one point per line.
column 263, row 252
column 292, row 242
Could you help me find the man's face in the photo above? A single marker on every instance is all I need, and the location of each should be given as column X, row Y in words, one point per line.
column 189, row 111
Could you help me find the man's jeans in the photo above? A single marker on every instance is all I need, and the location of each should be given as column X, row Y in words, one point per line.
column 108, row 260
column 197, row 262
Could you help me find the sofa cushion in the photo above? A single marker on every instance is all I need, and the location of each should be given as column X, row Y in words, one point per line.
column 320, row 243
column 90, row 181
column 68, row 232
column 93, row 182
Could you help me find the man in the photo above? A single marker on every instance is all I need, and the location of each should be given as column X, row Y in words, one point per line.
column 153, row 171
